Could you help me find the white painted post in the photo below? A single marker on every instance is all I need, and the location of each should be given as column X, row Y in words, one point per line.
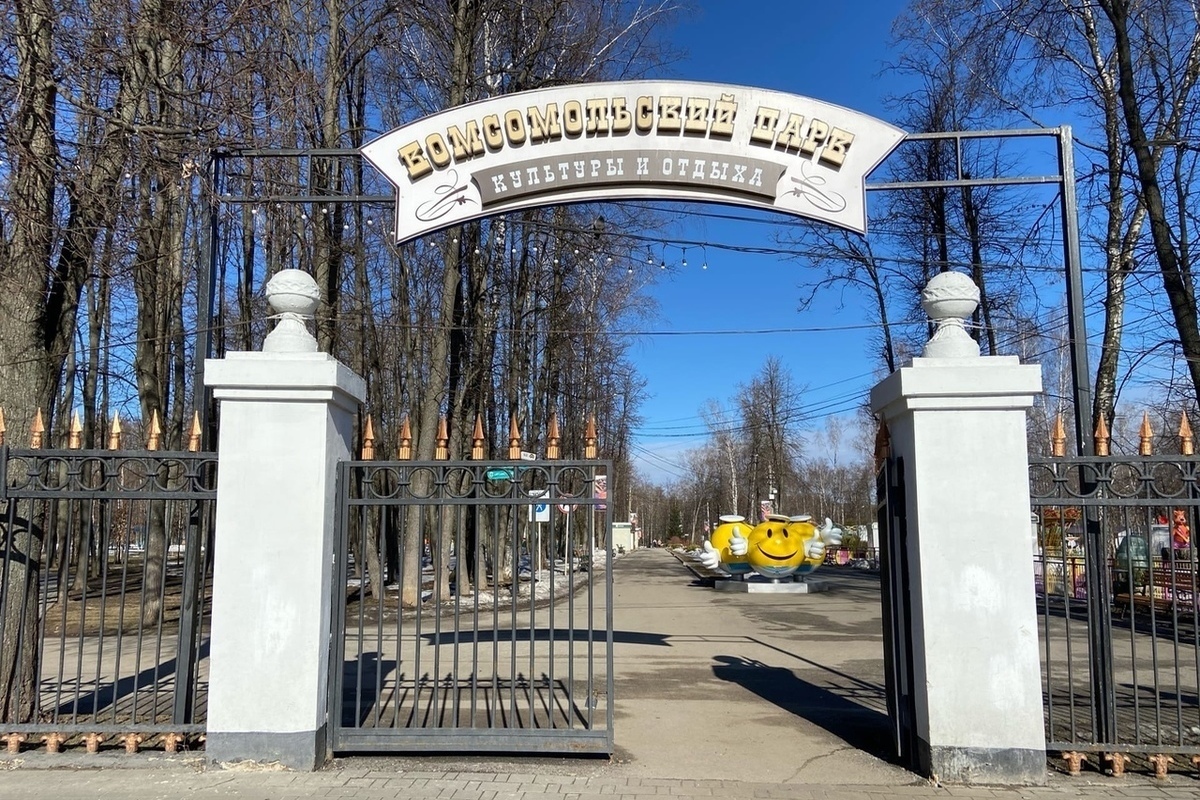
column 958, row 421
column 287, row 419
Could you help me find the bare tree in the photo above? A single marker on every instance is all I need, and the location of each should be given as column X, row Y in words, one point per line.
column 1130, row 70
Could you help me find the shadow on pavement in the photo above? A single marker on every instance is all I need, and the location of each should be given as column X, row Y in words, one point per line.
column 488, row 636
column 860, row 727
column 365, row 673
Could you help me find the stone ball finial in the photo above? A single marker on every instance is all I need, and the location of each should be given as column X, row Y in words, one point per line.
column 294, row 297
column 949, row 298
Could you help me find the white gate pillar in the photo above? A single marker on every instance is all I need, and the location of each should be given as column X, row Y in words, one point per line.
column 287, row 419
column 958, row 421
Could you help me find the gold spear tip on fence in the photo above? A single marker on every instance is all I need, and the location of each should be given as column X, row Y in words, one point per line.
column 75, row 433
column 3, row 426
column 1101, row 437
column 37, row 431
column 552, row 438
column 1187, row 445
column 404, row 447
column 589, row 438
column 1058, row 438
column 514, row 438
column 443, row 441
column 368, row 440
column 114, row 433
column 1146, row 443
column 155, row 439
column 477, row 438
column 196, row 434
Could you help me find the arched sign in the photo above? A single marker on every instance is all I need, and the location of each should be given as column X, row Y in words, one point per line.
column 662, row 139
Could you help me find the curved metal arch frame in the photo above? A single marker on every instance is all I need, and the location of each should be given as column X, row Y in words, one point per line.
column 217, row 170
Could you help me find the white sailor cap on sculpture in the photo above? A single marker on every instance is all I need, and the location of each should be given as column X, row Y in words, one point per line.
column 949, row 299
column 293, row 296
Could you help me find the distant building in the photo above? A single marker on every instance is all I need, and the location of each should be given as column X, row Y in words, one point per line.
column 622, row 537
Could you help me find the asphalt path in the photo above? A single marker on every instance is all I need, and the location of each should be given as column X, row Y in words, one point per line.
column 779, row 688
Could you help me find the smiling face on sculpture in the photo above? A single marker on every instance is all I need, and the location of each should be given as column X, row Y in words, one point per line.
column 773, row 550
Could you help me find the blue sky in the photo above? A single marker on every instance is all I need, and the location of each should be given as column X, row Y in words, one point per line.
column 833, row 52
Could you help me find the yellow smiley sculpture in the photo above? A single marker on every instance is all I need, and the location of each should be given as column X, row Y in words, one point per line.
column 721, row 536
column 772, row 550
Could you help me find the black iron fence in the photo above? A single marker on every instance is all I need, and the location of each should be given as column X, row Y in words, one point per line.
column 473, row 607
column 1116, row 576
column 104, row 595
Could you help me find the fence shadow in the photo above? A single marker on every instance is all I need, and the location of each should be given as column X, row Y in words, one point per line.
column 361, row 679
column 579, row 636
column 107, row 695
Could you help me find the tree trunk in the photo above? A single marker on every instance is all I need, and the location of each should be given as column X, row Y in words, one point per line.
column 1176, row 274
column 26, row 368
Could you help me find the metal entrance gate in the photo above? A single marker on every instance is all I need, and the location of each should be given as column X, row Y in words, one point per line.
column 1116, row 577
column 105, row 584
column 897, row 609
column 472, row 608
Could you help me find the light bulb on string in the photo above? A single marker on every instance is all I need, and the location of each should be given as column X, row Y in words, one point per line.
column 683, row 263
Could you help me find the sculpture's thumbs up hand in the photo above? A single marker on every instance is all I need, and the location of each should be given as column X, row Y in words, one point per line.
column 831, row 534
column 814, row 548
column 709, row 557
column 738, row 544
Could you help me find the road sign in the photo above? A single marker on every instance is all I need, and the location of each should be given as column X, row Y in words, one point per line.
column 566, row 508
column 528, row 456
column 540, row 512
column 499, row 474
